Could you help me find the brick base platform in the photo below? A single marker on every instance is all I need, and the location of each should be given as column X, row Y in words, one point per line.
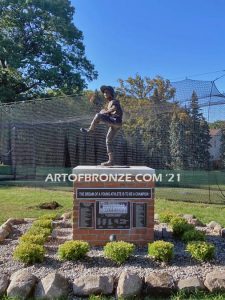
column 124, row 208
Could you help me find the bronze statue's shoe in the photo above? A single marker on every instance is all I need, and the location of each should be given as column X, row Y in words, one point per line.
column 107, row 163
column 84, row 130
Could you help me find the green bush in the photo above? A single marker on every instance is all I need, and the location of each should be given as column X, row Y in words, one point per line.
column 33, row 238
column 161, row 250
column 201, row 250
column 29, row 253
column 39, row 230
column 179, row 226
column 45, row 223
column 193, row 235
column 73, row 250
column 166, row 216
column 118, row 251
column 48, row 217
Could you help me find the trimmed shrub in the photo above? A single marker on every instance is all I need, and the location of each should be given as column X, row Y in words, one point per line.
column 118, row 251
column 29, row 253
column 33, row 238
column 167, row 216
column 193, row 235
column 180, row 225
column 161, row 250
column 48, row 217
column 201, row 251
column 73, row 250
column 45, row 223
column 39, row 230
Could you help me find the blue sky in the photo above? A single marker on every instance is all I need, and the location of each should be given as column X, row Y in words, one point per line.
column 171, row 38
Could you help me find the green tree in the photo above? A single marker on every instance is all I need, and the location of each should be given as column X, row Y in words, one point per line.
column 179, row 140
column 156, row 89
column 40, row 50
column 200, row 136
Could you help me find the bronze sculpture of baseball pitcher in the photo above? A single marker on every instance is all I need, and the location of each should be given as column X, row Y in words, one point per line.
column 112, row 117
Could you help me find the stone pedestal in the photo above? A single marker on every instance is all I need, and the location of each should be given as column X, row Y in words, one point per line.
column 113, row 200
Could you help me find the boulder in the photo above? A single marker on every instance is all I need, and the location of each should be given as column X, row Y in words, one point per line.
column 215, row 281
column 93, row 285
column 4, row 282
column 196, row 222
column 54, row 285
column 3, row 234
column 7, row 226
column 188, row 217
column 159, row 284
column 190, row 284
column 212, row 224
column 12, row 221
column 67, row 216
column 22, row 284
column 217, row 229
column 129, row 285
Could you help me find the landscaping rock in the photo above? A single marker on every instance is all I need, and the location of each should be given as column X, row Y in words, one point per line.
column 22, row 284
column 217, row 229
column 5, row 231
column 190, row 284
column 215, row 281
column 159, row 284
column 129, row 285
column 54, row 285
column 67, row 216
column 188, row 217
column 4, row 282
column 212, row 224
column 93, row 285
column 12, row 221
column 196, row 222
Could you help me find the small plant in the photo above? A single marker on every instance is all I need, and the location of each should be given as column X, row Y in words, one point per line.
column 180, row 225
column 73, row 250
column 161, row 250
column 29, row 253
column 48, row 217
column 201, row 251
column 44, row 223
column 166, row 216
column 118, row 251
column 33, row 238
column 39, row 230
column 193, row 235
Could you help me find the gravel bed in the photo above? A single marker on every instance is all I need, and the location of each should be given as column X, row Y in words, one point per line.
column 182, row 266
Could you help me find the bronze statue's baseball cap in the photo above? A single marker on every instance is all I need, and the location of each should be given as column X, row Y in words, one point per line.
column 108, row 88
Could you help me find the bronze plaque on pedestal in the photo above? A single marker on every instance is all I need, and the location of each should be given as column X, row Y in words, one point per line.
column 112, row 215
column 86, row 215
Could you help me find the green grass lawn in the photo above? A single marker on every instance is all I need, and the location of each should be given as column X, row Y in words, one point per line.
column 191, row 194
column 22, row 202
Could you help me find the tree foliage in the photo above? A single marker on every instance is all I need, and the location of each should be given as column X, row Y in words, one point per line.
column 40, row 49
column 179, row 137
column 200, row 136
column 147, row 116
column 156, row 89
